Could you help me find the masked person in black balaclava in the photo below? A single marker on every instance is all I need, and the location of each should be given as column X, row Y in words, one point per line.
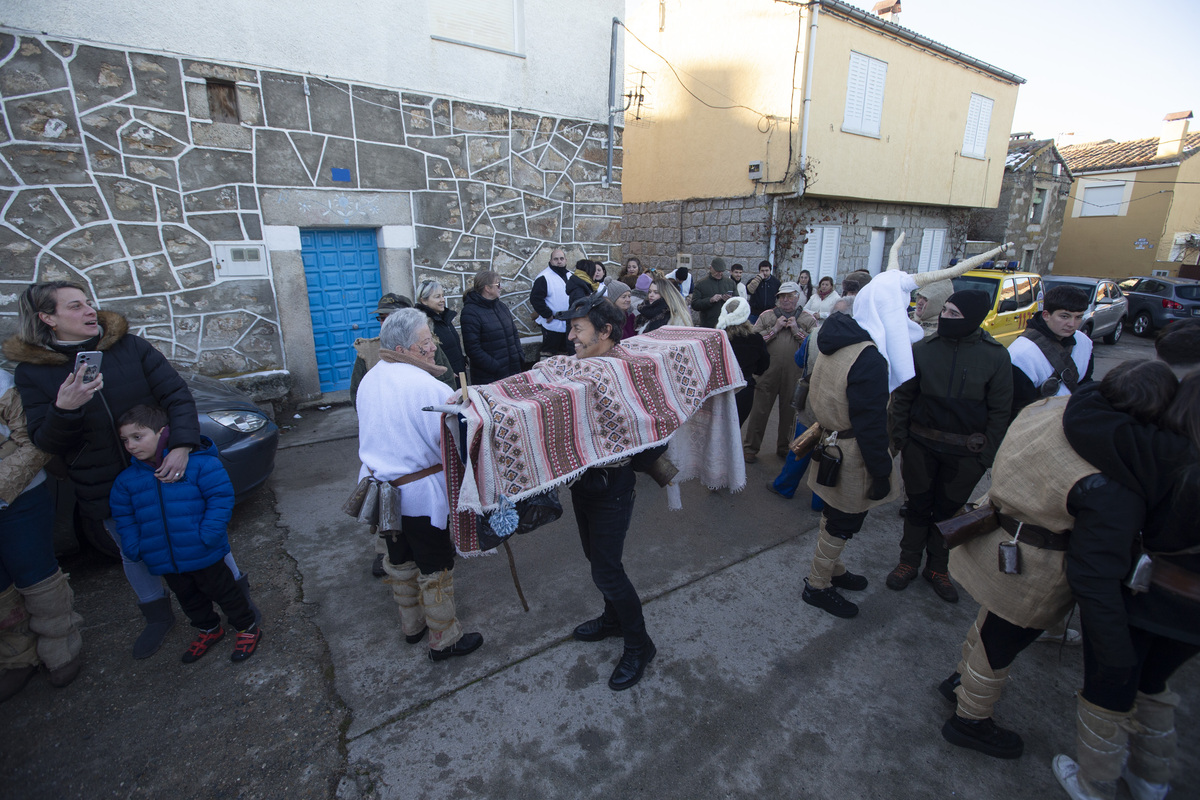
column 948, row 422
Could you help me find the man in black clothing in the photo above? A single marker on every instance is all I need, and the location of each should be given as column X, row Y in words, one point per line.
column 548, row 297
column 762, row 288
column 948, row 422
column 603, row 501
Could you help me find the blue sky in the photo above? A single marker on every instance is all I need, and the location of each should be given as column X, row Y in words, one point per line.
column 1098, row 68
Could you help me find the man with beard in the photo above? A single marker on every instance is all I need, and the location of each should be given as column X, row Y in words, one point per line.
column 783, row 328
column 548, row 297
column 1052, row 357
column 948, row 422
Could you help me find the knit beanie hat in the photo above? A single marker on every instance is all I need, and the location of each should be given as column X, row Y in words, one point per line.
column 615, row 288
column 973, row 304
column 733, row 313
column 643, row 282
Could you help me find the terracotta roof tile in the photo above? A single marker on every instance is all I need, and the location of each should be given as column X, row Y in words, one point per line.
column 1118, row 155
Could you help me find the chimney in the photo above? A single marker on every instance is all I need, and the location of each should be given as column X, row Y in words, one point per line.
column 888, row 10
column 1174, row 132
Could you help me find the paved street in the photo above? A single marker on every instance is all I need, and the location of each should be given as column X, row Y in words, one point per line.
column 752, row 693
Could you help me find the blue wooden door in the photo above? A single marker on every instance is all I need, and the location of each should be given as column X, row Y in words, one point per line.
column 341, row 267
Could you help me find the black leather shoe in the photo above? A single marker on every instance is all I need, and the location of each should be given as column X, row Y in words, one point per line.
column 413, row 638
column 829, row 600
column 946, row 688
column 596, row 629
column 984, row 736
column 469, row 643
column 631, row 666
column 849, row 581
column 377, row 569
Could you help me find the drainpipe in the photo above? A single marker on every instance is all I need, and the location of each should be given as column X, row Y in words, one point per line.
column 612, row 101
column 815, row 11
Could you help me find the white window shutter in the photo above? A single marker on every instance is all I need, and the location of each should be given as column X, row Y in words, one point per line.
column 1102, row 201
column 489, row 23
column 830, row 242
column 811, row 259
column 932, row 242
column 856, row 91
column 985, row 122
column 873, row 104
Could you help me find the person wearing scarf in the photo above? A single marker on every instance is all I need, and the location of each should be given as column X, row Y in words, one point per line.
column 948, row 421
column 822, row 305
column 582, row 282
column 399, row 446
column 1055, row 329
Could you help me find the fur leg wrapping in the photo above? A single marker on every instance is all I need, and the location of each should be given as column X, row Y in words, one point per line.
column 437, row 597
column 1102, row 744
column 18, row 647
column 1152, row 745
column 981, row 685
column 972, row 641
column 53, row 619
column 827, row 558
column 403, row 580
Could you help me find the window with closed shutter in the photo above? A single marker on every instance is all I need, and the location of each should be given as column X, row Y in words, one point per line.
column 864, row 95
column 932, row 242
column 979, row 119
column 1102, row 201
column 821, row 252
column 490, row 24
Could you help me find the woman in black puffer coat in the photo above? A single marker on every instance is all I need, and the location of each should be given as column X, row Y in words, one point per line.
column 76, row 420
column 431, row 298
column 489, row 333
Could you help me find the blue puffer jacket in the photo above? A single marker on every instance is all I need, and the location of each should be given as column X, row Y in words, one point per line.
column 174, row 527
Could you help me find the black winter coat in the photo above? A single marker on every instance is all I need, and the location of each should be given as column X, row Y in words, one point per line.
column 652, row 315
column 1152, row 477
column 962, row 386
column 490, row 339
column 86, row 438
column 443, row 328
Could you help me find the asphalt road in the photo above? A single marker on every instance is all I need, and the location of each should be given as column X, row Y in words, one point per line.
column 752, row 692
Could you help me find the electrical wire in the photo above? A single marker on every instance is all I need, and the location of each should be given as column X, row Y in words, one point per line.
column 1120, row 202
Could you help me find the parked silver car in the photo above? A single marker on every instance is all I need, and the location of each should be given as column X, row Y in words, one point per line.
column 1107, row 310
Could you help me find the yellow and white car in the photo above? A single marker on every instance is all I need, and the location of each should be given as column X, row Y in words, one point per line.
column 1016, row 296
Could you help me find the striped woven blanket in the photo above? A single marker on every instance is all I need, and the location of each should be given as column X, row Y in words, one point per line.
column 541, row 428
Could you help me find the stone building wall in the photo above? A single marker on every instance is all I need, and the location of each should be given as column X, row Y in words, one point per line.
column 113, row 174
column 1009, row 221
column 739, row 229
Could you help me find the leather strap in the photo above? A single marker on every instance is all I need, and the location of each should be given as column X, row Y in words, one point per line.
column 1175, row 579
column 1034, row 535
column 416, row 476
column 1064, row 370
column 973, row 442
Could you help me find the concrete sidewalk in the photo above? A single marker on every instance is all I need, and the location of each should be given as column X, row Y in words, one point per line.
column 752, row 691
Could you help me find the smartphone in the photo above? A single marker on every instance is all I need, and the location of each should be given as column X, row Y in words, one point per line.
column 91, row 360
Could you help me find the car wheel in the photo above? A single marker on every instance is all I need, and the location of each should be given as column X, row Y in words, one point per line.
column 1087, row 329
column 1114, row 335
column 1142, row 324
column 92, row 532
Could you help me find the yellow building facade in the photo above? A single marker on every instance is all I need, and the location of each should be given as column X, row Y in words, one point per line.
column 799, row 114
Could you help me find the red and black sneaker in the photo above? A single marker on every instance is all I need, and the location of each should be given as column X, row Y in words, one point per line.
column 246, row 643
column 205, row 640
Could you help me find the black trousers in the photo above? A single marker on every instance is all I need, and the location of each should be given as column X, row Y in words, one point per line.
column 1158, row 657
column 420, row 541
column 1003, row 641
column 199, row 589
column 556, row 343
column 938, row 485
column 603, row 522
column 842, row 524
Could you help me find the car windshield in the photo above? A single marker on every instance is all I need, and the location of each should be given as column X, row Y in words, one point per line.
column 989, row 285
column 1188, row 292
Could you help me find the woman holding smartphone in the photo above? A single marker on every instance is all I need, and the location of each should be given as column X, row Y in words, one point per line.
column 75, row 418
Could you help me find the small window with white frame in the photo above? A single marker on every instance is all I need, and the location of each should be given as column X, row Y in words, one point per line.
column 979, row 119
column 1037, row 206
column 821, row 251
column 933, row 242
column 864, row 95
column 241, row 260
column 1105, row 200
column 497, row 25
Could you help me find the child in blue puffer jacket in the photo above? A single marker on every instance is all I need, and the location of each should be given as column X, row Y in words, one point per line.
column 178, row 529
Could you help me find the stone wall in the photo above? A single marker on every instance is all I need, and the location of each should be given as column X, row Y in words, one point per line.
column 736, row 228
column 1009, row 221
column 113, row 174
column 739, row 229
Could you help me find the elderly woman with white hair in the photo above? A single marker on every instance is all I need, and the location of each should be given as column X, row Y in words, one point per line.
column 400, row 447
column 431, row 299
column 749, row 349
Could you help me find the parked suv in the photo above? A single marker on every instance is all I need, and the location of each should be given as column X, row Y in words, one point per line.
column 1015, row 297
column 1107, row 308
column 1156, row 302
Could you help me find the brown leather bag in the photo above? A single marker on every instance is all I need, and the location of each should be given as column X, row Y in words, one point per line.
column 962, row 528
column 803, row 444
